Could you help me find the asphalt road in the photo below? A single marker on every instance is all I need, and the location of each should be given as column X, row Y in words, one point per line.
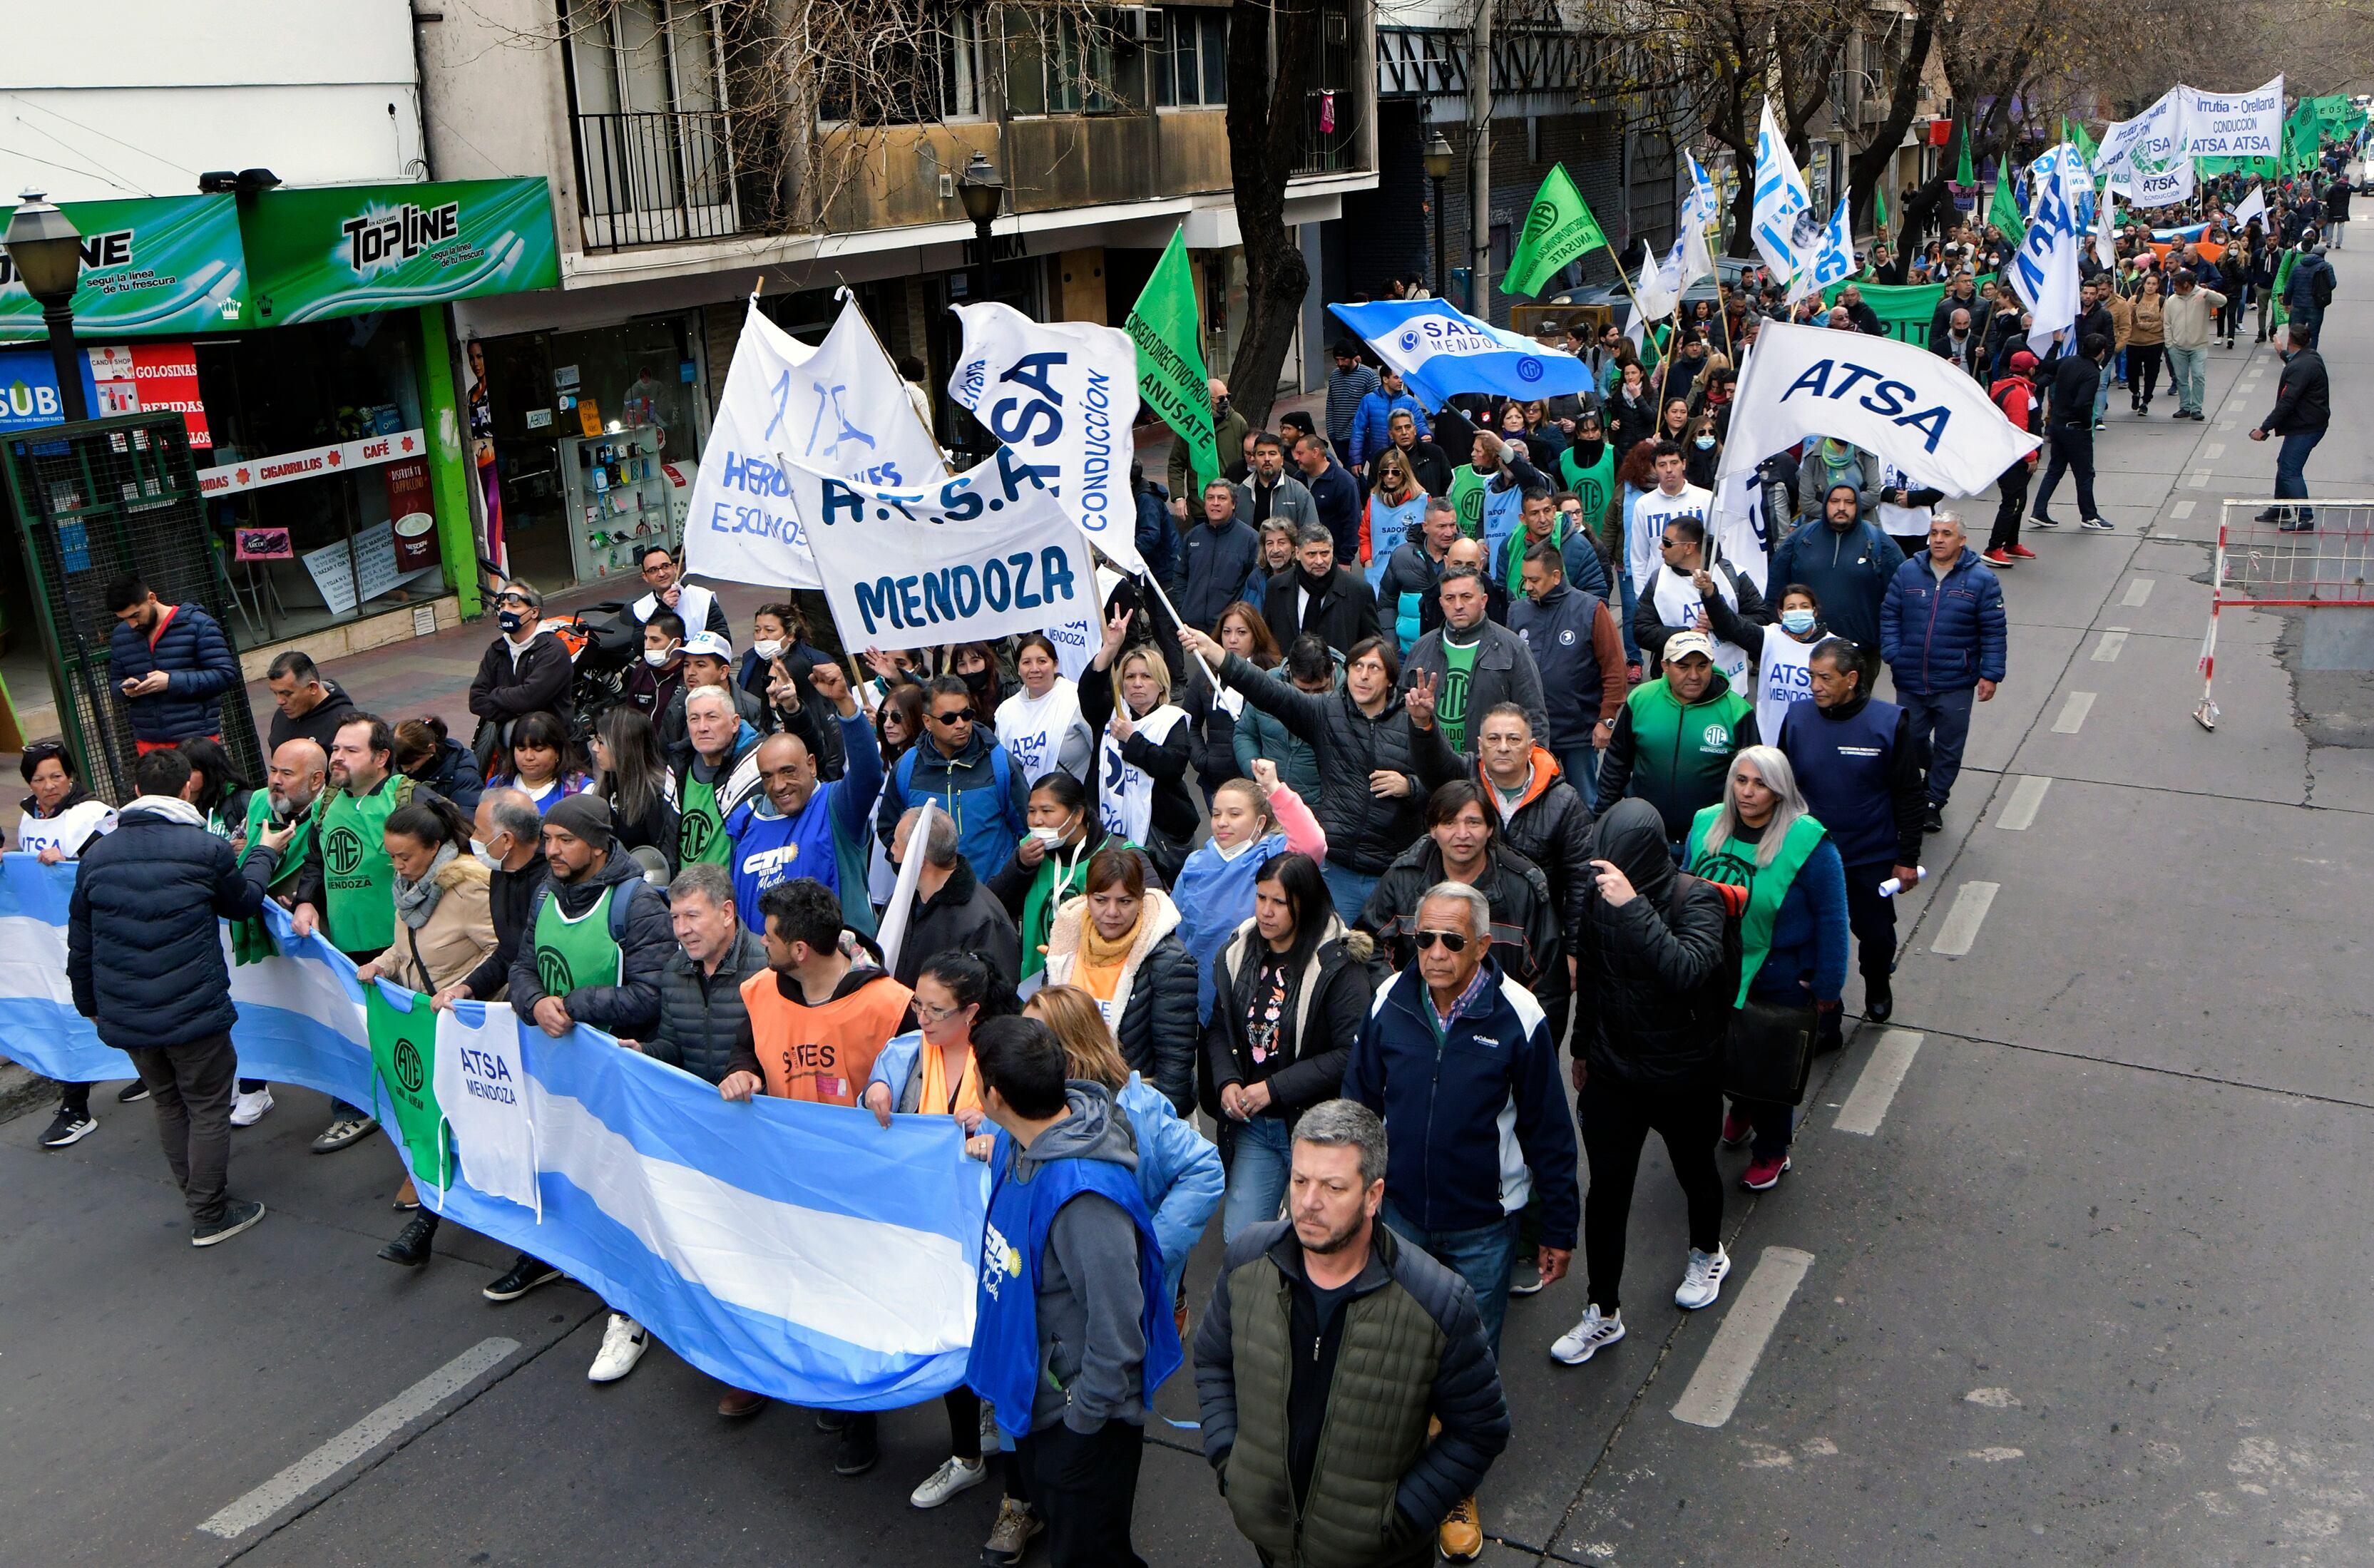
column 2065, row 1271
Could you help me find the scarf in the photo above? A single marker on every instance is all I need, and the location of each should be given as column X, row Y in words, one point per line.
column 1101, row 963
column 1058, row 870
column 936, row 1097
column 415, row 901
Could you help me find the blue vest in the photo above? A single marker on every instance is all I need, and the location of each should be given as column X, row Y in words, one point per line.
column 1004, row 1366
column 1389, row 527
column 1214, row 896
column 1504, row 511
column 770, row 849
column 1842, row 767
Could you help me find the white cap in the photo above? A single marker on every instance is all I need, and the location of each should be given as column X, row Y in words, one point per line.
column 709, row 642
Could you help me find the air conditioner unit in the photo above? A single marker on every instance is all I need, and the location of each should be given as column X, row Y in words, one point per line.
column 1139, row 24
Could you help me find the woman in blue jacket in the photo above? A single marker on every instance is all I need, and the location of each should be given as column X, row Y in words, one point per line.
column 1793, row 937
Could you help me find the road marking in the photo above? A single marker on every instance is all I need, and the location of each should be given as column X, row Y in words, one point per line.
column 2182, row 510
column 2213, row 451
column 2019, row 812
column 2107, row 650
column 360, row 1439
column 2200, row 481
column 1730, row 1360
column 2072, row 713
column 1882, row 1076
column 2139, row 592
column 2224, row 426
column 1963, row 921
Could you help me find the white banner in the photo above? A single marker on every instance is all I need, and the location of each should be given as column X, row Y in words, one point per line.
column 2245, row 125
column 1834, row 258
column 1783, row 225
column 838, row 407
column 2254, row 205
column 985, row 554
column 1064, row 393
column 2149, row 158
column 1891, row 398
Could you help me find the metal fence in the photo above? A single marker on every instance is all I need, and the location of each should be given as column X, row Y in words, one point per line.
column 2286, row 555
column 649, row 178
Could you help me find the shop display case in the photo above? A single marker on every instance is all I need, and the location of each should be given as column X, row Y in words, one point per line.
column 619, row 498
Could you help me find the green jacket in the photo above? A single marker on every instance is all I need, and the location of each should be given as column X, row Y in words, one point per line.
column 1674, row 756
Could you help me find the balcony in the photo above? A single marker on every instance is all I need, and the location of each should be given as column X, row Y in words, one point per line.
column 656, row 178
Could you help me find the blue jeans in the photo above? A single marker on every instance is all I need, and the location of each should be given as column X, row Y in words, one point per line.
column 1481, row 1257
column 2184, row 367
column 1580, row 766
column 1261, row 1154
column 2291, row 468
column 1942, row 719
column 1349, row 889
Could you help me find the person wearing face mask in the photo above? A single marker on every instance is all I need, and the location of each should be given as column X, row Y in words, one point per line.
column 794, row 825
column 506, row 836
column 657, row 679
column 522, row 672
column 1588, row 467
column 779, row 635
column 1049, row 866
column 1780, row 653
column 709, row 665
column 1253, row 820
column 1229, row 432
column 1701, row 452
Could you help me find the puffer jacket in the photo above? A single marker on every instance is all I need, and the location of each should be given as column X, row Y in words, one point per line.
column 453, row 773
column 1154, row 1007
column 1327, row 999
column 1406, row 1343
column 200, row 671
column 1943, row 637
column 1551, row 827
column 1364, row 831
column 980, row 787
column 143, row 945
column 1657, row 979
column 1525, row 915
column 701, row 1013
column 632, row 1008
column 1503, row 670
column 1372, row 425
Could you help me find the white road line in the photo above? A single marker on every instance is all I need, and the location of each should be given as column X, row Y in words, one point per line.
column 2182, row 510
column 2072, row 713
column 2224, row 426
column 2019, row 812
column 2107, row 650
column 1963, row 921
column 2200, row 481
column 1730, row 1360
column 360, row 1439
column 2139, row 592
column 1875, row 1091
column 2213, row 451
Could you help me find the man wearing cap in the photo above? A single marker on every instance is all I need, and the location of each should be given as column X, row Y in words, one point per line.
column 1676, row 736
column 599, row 941
column 696, row 604
column 523, row 671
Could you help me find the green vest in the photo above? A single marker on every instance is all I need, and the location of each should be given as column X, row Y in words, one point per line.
column 1681, row 755
column 251, row 940
column 1734, row 865
column 403, row 1057
column 573, row 954
column 1458, row 677
column 358, row 880
column 1593, row 486
column 700, row 837
column 1467, row 498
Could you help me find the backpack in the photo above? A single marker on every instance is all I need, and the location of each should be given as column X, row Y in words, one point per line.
column 2320, row 286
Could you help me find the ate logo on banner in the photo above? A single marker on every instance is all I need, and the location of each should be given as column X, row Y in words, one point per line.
column 343, row 852
column 409, row 1070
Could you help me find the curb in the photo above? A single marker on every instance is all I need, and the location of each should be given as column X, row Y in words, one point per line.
column 21, row 1089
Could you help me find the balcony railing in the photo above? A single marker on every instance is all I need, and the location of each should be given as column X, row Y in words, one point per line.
column 652, row 178
column 1331, row 134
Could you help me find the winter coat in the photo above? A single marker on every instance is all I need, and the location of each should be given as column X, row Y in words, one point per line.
column 1404, row 592
column 452, row 773
column 1289, row 501
column 457, row 938
column 1364, row 831
column 2303, row 396
column 2150, row 327
column 1525, row 915
column 631, row 1009
column 980, row 787
column 1217, row 562
column 1943, row 637
column 962, row 917
column 1372, row 425
column 1656, row 981
column 1676, row 755
column 1327, row 999
column 1345, row 613
column 318, row 724
column 1153, row 1009
column 1228, row 444
column 1258, row 735
column 1814, row 479
column 200, row 671
column 143, row 942
column 1504, row 671
column 1849, row 573
column 701, row 1015
column 505, row 688
column 1551, row 827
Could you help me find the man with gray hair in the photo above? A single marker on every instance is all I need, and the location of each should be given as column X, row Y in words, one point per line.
column 1320, row 595
column 954, row 909
column 1356, row 1502
column 1475, row 1131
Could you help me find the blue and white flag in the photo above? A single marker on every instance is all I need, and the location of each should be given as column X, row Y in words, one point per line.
column 1834, row 258
column 1783, row 225
column 2044, row 269
column 1700, row 215
column 1442, row 352
column 800, row 1251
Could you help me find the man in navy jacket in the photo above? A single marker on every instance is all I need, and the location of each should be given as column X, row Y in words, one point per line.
column 173, row 666
column 1941, row 630
column 145, row 958
column 1334, row 494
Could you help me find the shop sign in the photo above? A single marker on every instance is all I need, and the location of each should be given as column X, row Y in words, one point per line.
column 257, row 473
column 347, row 250
column 28, row 389
column 334, row 571
column 150, row 264
column 151, row 377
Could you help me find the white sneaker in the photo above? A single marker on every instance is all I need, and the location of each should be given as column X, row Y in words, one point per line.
column 246, row 1110
column 1588, row 1338
column 954, row 1475
column 623, row 1344
column 1702, row 1281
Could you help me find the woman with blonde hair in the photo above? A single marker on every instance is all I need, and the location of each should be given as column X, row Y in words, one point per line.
column 1396, row 508
column 1146, row 744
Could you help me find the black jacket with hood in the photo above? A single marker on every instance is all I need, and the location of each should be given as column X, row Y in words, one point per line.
column 1656, row 979
column 646, row 943
column 1327, row 996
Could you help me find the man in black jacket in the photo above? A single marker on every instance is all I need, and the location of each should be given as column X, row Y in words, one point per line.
column 523, row 671
column 1463, row 844
column 2303, row 411
column 306, row 707
column 1220, row 551
column 1342, row 1272
column 953, row 911
column 510, row 831
column 2069, row 429
column 144, row 960
column 1320, row 596
column 1334, row 493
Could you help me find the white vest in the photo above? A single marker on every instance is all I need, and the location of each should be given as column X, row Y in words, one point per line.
column 1125, row 795
column 1783, row 680
column 692, row 602
column 69, row 832
column 1678, row 604
column 483, row 1091
column 1032, row 729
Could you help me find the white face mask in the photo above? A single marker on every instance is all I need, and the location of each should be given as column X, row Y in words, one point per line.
column 487, row 858
column 657, row 658
column 767, row 653
column 1049, row 836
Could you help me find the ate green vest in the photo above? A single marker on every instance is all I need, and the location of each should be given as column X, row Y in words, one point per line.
column 700, row 837
column 1734, row 865
column 1467, row 498
column 1593, row 486
column 358, row 881
column 1682, row 755
column 251, row 940
column 404, row 1054
column 572, row 953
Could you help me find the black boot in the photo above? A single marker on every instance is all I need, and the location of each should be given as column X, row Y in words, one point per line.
column 1878, row 1001
column 411, row 1245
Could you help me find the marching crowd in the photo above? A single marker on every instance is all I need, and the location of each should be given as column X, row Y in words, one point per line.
column 1466, row 753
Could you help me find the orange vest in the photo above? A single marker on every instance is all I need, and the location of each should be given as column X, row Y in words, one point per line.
column 824, row 1054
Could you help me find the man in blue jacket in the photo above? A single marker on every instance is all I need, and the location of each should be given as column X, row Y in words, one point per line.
column 1372, row 421
column 1335, row 494
column 145, row 958
column 1941, row 630
column 959, row 765
column 173, row 666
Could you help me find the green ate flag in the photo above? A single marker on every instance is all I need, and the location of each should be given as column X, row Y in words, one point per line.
column 1879, row 205
column 404, row 1054
column 2004, row 213
column 1558, row 230
column 1905, row 309
column 1171, row 377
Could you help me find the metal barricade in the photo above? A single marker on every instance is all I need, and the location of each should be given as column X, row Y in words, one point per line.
column 2302, row 555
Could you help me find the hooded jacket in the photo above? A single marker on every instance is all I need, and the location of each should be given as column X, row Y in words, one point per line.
column 1657, row 978
column 1526, row 938
column 646, row 939
column 200, row 671
column 980, row 787
column 1943, row 637
column 1154, row 1007
column 1549, row 825
column 507, row 688
column 452, row 773
column 1327, row 996
column 1849, row 572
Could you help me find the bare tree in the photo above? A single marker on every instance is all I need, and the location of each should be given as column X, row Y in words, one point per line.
column 1871, row 161
column 1265, row 144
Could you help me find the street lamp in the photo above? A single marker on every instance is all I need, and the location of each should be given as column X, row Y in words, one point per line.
column 46, row 250
column 1438, row 159
column 981, row 193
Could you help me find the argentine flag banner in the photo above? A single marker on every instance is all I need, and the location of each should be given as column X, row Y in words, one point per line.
column 1442, row 352
column 796, row 1250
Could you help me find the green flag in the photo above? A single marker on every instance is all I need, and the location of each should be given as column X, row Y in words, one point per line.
column 1879, row 205
column 1962, row 172
column 1558, row 230
column 1171, row 378
column 2073, row 132
column 2004, row 212
column 403, row 1057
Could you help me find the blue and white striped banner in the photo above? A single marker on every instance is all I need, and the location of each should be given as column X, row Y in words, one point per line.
column 797, row 1250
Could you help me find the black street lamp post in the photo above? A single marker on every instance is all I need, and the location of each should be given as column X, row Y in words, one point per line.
column 982, row 192
column 46, row 250
column 1438, row 159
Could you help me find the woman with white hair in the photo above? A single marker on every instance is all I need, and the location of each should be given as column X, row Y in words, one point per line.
column 1793, row 937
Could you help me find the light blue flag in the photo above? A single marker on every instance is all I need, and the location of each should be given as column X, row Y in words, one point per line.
column 1442, row 352
column 1834, row 259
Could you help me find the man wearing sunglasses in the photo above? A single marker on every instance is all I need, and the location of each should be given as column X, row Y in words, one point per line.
column 960, row 766
column 523, row 671
column 1458, row 1059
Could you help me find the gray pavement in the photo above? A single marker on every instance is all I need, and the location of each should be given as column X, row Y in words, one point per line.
column 2069, row 1270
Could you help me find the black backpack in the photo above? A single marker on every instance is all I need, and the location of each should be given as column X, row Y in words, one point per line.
column 2320, row 286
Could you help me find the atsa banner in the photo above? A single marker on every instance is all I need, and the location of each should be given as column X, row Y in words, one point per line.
column 346, row 250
